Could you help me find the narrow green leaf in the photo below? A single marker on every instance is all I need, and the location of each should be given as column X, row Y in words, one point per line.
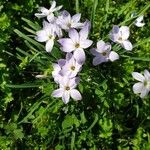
column 38, row 45
column 77, row 6
column 95, row 4
column 29, row 30
column 34, row 26
column 136, row 58
column 21, row 86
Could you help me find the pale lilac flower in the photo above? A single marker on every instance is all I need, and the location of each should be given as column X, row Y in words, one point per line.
column 67, row 89
column 66, row 22
column 103, row 53
column 71, row 67
column 76, row 43
column 49, row 13
column 139, row 21
column 143, row 86
column 56, row 28
column 56, row 73
column 47, row 34
column 121, row 35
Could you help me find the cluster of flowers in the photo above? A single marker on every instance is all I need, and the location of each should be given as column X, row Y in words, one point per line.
column 66, row 71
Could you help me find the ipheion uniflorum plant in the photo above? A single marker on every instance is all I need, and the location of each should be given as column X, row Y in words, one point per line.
column 66, row 71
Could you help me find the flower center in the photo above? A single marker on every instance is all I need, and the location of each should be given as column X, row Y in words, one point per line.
column 104, row 53
column 67, row 88
column 77, row 45
column 147, row 84
column 50, row 37
column 72, row 68
column 69, row 25
column 120, row 39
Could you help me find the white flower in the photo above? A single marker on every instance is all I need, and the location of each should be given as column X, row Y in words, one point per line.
column 103, row 53
column 57, row 30
column 142, row 87
column 66, row 22
column 49, row 13
column 138, row 22
column 71, row 67
column 121, row 35
column 67, row 89
column 47, row 35
column 76, row 43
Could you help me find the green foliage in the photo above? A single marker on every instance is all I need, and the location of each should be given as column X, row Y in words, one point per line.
column 110, row 116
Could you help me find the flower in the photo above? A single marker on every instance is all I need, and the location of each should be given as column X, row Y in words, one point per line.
column 138, row 22
column 47, row 34
column 142, row 87
column 49, row 13
column 56, row 28
column 67, row 89
column 56, row 73
column 71, row 67
column 76, row 43
column 103, row 53
column 121, row 35
column 66, row 22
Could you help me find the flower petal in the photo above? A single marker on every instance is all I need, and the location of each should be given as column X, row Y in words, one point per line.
column 124, row 31
column 66, row 97
column 138, row 76
column 49, row 45
column 74, row 35
column 41, row 36
column 40, row 15
column 127, row 45
column 73, row 82
column 113, row 56
column 94, row 52
column 100, row 45
column 75, row 94
column 99, row 59
column 86, row 43
column 147, row 75
column 50, row 17
column 137, row 88
column 79, row 55
column 144, row 92
column 57, row 93
column 53, row 5
column 67, row 44
column 76, row 18
column 84, row 33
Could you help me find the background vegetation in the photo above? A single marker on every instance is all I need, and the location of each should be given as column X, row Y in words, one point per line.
column 110, row 116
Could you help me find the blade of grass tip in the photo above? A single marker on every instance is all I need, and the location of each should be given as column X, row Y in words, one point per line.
column 77, row 6
column 95, row 3
column 29, row 30
column 34, row 57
